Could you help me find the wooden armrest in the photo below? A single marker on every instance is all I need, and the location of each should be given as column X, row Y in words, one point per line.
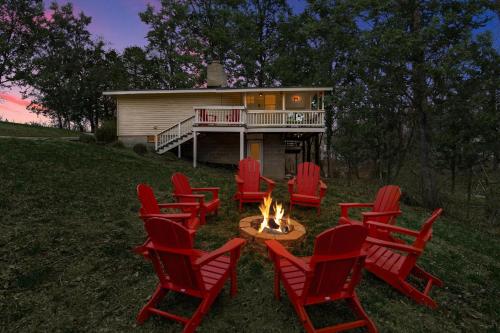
column 176, row 216
column 394, row 245
column 238, row 179
column 276, row 248
column 345, row 206
column 367, row 216
column 322, row 189
column 213, row 190
column 232, row 245
column 392, row 228
column 291, row 185
column 267, row 180
column 165, row 249
column 179, row 205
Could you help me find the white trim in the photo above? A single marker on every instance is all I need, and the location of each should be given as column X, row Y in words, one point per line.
column 285, row 130
column 212, row 90
column 220, row 107
column 232, row 129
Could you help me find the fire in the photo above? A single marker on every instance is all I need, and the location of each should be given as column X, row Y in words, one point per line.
column 277, row 223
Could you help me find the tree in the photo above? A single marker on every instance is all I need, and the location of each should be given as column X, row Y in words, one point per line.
column 174, row 49
column 256, row 34
column 20, row 28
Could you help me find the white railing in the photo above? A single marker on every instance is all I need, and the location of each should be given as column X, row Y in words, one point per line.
column 310, row 118
column 174, row 133
column 220, row 115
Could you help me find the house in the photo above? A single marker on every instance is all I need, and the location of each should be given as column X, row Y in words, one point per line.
column 223, row 125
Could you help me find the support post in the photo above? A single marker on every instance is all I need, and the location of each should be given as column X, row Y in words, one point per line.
column 195, row 148
column 242, row 147
column 179, row 151
column 283, row 101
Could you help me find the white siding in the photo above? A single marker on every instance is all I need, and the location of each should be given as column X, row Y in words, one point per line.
column 150, row 114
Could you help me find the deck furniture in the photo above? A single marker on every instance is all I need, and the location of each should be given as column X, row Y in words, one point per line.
column 307, row 189
column 384, row 209
column 396, row 267
column 183, row 269
column 151, row 208
column 330, row 274
column 183, row 192
column 248, row 182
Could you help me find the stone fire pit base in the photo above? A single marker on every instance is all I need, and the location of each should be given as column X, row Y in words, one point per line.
column 291, row 240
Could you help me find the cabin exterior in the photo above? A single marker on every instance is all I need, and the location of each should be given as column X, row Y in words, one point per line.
column 223, row 125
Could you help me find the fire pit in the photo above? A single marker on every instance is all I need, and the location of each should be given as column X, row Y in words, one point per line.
column 257, row 229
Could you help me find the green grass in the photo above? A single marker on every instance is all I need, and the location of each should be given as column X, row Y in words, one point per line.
column 23, row 130
column 68, row 215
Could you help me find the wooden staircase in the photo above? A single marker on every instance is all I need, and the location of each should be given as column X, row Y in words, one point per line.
column 174, row 136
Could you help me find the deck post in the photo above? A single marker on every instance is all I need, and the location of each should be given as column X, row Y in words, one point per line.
column 179, row 151
column 283, row 100
column 242, row 141
column 195, row 148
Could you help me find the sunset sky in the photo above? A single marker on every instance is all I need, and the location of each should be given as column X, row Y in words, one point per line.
column 118, row 23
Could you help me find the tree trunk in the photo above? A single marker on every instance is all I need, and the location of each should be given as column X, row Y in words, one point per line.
column 429, row 189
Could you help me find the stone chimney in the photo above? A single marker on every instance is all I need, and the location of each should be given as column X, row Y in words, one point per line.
column 216, row 77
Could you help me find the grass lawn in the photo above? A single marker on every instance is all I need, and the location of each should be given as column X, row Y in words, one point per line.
column 68, row 215
column 21, row 130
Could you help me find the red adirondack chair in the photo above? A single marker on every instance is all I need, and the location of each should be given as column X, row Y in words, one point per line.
column 394, row 268
column 248, row 182
column 385, row 209
column 182, row 269
column 151, row 208
column 331, row 274
column 307, row 189
column 183, row 192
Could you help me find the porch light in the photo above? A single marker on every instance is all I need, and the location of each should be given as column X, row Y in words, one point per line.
column 296, row 99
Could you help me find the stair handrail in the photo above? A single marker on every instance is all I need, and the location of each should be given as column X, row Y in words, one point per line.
column 174, row 132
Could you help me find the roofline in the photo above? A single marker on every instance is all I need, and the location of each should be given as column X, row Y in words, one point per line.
column 212, row 90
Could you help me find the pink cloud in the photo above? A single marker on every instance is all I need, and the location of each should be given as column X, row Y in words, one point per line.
column 13, row 108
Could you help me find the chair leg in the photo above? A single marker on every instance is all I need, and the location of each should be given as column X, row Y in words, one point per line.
column 144, row 314
column 241, row 205
column 358, row 308
column 319, row 210
column 304, row 318
column 234, row 283
column 420, row 273
column 195, row 320
column 277, row 286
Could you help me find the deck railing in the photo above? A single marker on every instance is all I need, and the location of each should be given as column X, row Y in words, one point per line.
column 220, row 115
column 239, row 116
column 310, row 118
column 173, row 133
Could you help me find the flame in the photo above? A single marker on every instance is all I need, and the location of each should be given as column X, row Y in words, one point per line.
column 265, row 207
column 279, row 212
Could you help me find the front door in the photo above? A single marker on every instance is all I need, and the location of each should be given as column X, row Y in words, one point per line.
column 254, row 150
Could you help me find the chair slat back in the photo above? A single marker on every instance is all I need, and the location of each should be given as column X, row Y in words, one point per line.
column 181, row 186
column 308, row 176
column 387, row 200
column 147, row 199
column 330, row 275
column 171, row 265
column 420, row 242
column 249, row 171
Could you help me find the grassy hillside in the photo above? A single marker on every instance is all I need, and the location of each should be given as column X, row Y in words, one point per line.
column 24, row 130
column 68, row 215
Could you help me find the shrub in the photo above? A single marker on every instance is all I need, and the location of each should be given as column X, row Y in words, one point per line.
column 140, row 149
column 87, row 138
column 107, row 131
